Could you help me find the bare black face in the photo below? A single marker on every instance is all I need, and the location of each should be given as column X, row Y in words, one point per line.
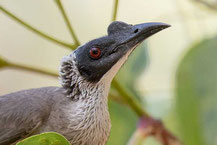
column 96, row 57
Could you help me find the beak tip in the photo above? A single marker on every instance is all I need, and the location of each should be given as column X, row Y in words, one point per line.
column 155, row 25
column 165, row 25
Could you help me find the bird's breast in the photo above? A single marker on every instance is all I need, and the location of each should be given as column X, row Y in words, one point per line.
column 83, row 122
column 90, row 122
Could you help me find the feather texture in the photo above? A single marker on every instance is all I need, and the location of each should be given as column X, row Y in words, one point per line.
column 79, row 110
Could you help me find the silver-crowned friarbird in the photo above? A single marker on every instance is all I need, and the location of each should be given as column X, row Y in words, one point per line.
column 78, row 110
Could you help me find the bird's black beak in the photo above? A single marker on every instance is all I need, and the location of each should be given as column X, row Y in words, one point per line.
column 144, row 30
column 129, row 36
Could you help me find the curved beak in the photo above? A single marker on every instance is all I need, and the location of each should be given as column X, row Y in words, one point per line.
column 140, row 32
column 144, row 30
column 130, row 37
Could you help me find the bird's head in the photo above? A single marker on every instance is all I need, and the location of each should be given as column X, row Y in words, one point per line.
column 107, row 54
column 101, row 58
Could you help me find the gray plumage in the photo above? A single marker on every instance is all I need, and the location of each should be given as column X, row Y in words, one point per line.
column 78, row 110
column 81, row 115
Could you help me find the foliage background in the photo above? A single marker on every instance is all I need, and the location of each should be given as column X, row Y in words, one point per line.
column 179, row 81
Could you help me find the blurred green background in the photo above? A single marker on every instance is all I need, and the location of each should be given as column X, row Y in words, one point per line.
column 173, row 74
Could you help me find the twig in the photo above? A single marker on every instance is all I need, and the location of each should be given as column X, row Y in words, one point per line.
column 60, row 6
column 136, row 138
column 150, row 127
column 147, row 125
column 127, row 97
column 115, row 10
column 207, row 4
column 3, row 62
column 116, row 97
column 28, row 26
column 31, row 69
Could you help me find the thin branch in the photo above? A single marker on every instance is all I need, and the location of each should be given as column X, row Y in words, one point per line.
column 3, row 62
column 212, row 6
column 136, row 138
column 28, row 26
column 115, row 10
column 148, row 125
column 31, row 69
column 60, row 6
column 115, row 97
column 127, row 97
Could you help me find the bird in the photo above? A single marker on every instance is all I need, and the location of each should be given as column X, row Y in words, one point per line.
column 79, row 108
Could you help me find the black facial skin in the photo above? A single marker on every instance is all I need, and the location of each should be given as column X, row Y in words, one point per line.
column 121, row 38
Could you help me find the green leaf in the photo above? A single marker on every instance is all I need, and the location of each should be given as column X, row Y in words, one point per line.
column 123, row 123
column 3, row 62
column 196, row 94
column 48, row 138
column 133, row 68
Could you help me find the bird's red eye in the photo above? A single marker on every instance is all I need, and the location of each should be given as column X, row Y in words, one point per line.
column 95, row 52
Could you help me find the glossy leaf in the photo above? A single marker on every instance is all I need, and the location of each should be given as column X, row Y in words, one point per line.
column 196, row 94
column 48, row 138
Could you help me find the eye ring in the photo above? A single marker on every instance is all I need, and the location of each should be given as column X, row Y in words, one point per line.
column 95, row 52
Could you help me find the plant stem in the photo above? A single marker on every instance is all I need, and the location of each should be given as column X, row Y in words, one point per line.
column 60, row 6
column 162, row 134
column 210, row 5
column 136, row 139
column 28, row 26
column 32, row 69
column 115, row 10
column 127, row 97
